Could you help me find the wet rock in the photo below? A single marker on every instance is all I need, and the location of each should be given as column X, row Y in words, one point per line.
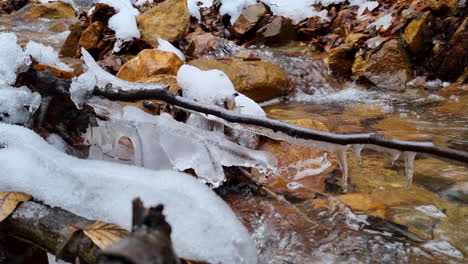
column 389, row 68
column 248, row 19
column 341, row 60
column 52, row 10
column 363, row 203
column 450, row 63
column 148, row 63
column 71, row 46
column 313, row 27
column 413, row 34
column 92, row 35
column 354, row 38
column 416, row 221
column 61, row 26
column 169, row 20
column 197, row 44
column 258, row 80
column 279, row 30
column 360, row 63
column 302, row 170
column 436, row 5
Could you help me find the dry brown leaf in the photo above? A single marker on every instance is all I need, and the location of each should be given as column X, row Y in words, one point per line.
column 9, row 201
column 104, row 234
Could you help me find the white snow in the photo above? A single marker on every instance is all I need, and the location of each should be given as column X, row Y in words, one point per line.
column 18, row 104
column 167, row 46
column 195, row 5
column 431, row 210
column 45, row 55
column 443, row 247
column 83, row 85
column 124, row 22
column 57, row 142
column 160, row 142
column 11, row 57
column 382, row 23
column 204, row 227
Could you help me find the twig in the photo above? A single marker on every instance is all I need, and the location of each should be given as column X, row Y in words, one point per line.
column 286, row 128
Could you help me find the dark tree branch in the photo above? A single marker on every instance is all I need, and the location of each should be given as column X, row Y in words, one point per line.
column 286, row 128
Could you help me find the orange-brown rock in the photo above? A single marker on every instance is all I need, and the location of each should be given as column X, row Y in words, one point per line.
column 341, row 59
column 248, row 19
column 258, row 80
column 53, row 10
column 169, row 20
column 363, row 203
column 197, row 44
column 92, row 35
column 148, row 63
column 302, row 170
column 60, row 26
column 413, row 34
column 71, row 47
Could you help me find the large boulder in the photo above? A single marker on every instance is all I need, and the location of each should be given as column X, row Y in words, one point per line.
column 53, row 10
column 301, row 170
column 413, row 34
column 389, row 68
column 148, row 63
column 258, row 80
column 169, row 20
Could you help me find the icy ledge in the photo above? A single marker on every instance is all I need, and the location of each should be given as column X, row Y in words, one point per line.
column 204, row 227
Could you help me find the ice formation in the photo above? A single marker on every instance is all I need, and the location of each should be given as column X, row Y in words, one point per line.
column 204, row 227
column 430, row 210
column 83, row 85
column 18, row 104
column 409, row 166
column 124, row 22
column 160, row 142
column 11, row 57
column 443, row 247
column 167, row 46
column 45, row 55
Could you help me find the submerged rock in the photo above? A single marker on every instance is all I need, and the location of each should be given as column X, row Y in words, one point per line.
column 169, row 20
column 148, row 63
column 53, row 10
column 363, row 203
column 302, row 170
column 258, row 80
column 389, row 68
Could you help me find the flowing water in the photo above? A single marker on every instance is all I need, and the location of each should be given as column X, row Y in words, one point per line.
column 423, row 222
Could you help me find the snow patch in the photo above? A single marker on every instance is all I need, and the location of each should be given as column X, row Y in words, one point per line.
column 45, row 55
column 167, row 46
column 11, row 57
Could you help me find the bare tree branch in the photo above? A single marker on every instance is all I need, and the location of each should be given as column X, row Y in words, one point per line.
column 428, row 148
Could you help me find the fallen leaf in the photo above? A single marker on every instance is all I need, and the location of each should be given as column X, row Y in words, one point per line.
column 104, row 234
column 9, row 201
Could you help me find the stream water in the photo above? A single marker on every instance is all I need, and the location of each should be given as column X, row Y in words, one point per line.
column 425, row 223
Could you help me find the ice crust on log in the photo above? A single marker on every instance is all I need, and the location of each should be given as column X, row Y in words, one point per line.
column 204, row 227
column 160, row 142
column 17, row 105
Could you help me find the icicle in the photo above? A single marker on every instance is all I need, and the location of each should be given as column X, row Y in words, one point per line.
column 357, row 148
column 340, row 153
column 409, row 166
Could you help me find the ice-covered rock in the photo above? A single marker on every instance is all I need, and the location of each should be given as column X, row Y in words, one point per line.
column 18, row 104
column 204, row 227
column 45, row 55
column 11, row 57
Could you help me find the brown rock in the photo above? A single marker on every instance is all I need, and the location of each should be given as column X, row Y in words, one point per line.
column 92, row 35
column 436, row 5
column 258, row 80
column 278, row 31
column 302, row 170
column 148, row 63
column 248, row 19
column 389, row 67
column 451, row 62
column 169, row 20
column 53, row 10
column 413, row 34
column 341, row 60
column 354, row 38
column 61, row 26
column 71, row 47
column 198, row 44
column 360, row 63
